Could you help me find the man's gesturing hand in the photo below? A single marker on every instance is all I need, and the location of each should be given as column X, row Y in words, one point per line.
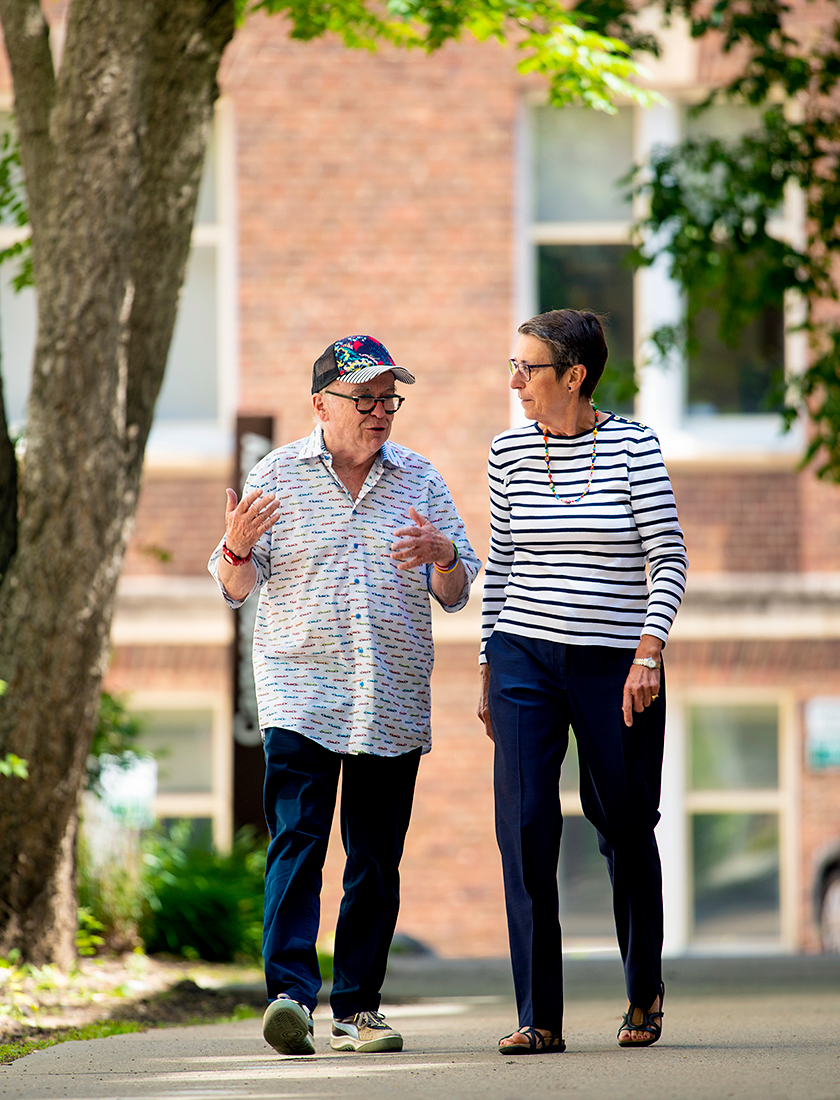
column 421, row 544
column 245, row 521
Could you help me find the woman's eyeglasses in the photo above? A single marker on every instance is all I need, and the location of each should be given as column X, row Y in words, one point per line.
column 526, row 368
column 365, row 403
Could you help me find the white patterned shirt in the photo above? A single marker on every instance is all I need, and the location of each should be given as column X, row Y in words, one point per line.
column 343, row 647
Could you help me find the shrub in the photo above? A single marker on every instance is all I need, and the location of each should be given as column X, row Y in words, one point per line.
column 203, row 904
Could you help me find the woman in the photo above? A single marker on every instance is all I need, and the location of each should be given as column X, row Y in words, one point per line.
column 572, row 636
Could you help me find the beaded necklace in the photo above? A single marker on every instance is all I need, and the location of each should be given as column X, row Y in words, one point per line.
column 561, row 500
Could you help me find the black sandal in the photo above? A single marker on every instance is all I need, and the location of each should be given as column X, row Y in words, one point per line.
column 537, row 1043
column 648, row 1024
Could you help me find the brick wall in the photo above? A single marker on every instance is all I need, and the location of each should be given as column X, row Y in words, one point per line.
column 180, row 518
column 169, row 668
column 740, row 520
column 376, row 195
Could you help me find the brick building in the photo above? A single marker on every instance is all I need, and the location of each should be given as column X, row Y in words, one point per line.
column 436, row 202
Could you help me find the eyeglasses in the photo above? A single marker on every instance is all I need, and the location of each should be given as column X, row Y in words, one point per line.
column 365, row 403
column 526, row 368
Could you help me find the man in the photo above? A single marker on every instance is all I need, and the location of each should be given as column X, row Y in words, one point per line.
column 345, row 534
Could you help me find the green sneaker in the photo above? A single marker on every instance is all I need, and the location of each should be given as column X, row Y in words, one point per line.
column 288, row 1027
column 366, row 1033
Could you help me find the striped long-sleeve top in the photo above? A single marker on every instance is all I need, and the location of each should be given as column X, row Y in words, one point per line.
column 601, row 571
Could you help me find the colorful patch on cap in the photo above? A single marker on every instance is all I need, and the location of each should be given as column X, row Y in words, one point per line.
column 355, row 352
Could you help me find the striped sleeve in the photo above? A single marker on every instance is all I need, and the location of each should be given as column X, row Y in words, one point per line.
column 500, row 555
column 655, row 512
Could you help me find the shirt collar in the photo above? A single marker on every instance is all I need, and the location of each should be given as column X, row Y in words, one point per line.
column 314, row 447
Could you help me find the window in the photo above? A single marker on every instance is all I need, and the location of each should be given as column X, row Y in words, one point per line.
column 577, row 221
column 594, row 276
column 736, row 811
column 189, row 734
column 195, row 407
column 728, row 857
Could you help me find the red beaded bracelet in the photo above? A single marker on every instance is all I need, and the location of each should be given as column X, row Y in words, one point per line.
column 234, row 559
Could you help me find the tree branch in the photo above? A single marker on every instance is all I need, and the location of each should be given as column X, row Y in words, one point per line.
column 27, row 38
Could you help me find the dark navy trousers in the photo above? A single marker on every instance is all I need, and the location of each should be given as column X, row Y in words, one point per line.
column 301, row 784
column 537, row 690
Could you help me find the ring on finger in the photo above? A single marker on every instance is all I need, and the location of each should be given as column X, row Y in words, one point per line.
column 653, row 697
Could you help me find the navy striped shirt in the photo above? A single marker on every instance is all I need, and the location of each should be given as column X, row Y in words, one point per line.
column 576, row 573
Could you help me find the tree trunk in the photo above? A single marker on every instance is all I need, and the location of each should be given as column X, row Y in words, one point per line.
column 112, row 151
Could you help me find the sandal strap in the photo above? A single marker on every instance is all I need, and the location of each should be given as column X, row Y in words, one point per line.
column 536, row 1040
column 647, row 1023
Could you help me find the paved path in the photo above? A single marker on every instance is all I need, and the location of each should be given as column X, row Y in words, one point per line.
column 762, row 1029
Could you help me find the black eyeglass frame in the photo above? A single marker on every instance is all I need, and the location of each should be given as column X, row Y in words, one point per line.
column 526, row 368
column 369, row 397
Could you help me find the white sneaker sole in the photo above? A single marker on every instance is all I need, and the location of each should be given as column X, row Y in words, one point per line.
column 367, row 1046
column 286, row 1028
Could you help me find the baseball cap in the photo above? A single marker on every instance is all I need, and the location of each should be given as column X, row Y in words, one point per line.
column 355, row 359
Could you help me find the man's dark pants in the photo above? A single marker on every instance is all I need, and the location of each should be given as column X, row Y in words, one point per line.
column 301, row 783
column 537, row 689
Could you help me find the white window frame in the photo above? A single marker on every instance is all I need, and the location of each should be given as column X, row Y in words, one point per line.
column 661, row 400
column 679, row 803
column 217, row 803
column 193, row 442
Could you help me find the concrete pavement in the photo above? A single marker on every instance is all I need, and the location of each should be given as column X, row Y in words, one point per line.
column 750, row 1029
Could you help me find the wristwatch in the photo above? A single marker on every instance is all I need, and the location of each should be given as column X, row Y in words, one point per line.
column 648, row 662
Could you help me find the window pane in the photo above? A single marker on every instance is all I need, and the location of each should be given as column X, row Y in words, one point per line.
column 593, row 276
column 736, row 877
column 734, row 748
column 724, row 121
column 190, row 386
column 578, row 154
column 181, row 740
column 585, row 893
column 722, row 379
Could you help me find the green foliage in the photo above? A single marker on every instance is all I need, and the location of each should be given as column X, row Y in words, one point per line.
column 11, row 763
column 203, row 904
column 111, row 894
column 14, row 1001
column 88, row 939
column 710, row 202
column 13, row 209
column 581, row 64
column 116, row 734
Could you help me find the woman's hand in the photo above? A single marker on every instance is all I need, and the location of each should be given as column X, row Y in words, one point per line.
column 483, row 708
column 642, row 684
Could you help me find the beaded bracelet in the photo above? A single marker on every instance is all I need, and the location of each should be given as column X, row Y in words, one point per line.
column 234, row 559
column 450, row 568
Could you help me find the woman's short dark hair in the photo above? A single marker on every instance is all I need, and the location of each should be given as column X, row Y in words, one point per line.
column 573, row 336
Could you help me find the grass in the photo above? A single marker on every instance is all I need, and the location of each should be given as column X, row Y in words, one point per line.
column 101, row 1029
column 18, row 1048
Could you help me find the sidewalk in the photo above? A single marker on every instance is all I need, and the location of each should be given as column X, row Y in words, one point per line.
column 751, row 1029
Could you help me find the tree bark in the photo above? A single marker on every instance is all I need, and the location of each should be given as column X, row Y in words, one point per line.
column 112, row 149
